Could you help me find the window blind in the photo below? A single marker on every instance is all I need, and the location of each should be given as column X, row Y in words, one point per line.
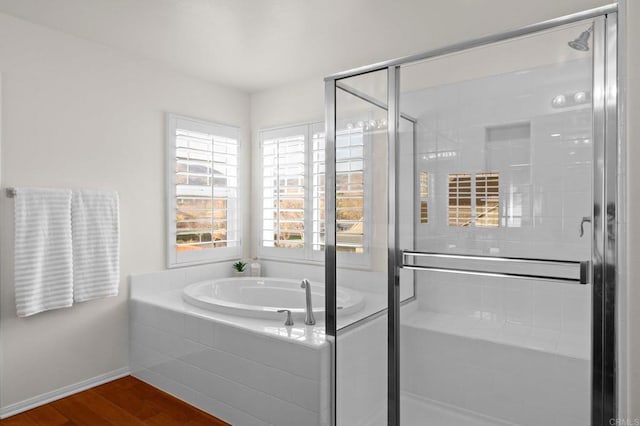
column 283, row 191
column 459, row 200
column 350, row 184
column 424, row 197
column 206, row 188
column 487, row 199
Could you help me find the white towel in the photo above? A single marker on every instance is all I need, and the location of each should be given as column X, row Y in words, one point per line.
column 43, row 255
column 95, row 234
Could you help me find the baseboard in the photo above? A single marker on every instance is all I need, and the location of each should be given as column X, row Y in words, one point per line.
column 47, row 397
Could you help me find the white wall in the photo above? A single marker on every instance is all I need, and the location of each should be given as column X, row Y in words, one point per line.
column 549, row 177
column 632, row 36
column 78, row 114
column 298, row 103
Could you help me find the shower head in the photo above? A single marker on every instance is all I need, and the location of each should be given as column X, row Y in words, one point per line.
column 582, row 42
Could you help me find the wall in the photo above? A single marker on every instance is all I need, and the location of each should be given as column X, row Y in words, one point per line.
column 78, row 114
column 298, row 103
column 544, row 176
column 632, row 38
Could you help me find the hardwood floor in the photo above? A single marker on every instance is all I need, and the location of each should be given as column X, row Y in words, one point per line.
column 126, row 401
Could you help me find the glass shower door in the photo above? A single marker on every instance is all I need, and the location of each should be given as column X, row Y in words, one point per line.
column 360, row 159
column 362, row 243
column 499, row 331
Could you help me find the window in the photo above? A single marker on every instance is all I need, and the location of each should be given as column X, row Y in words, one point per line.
column 318, row 194
column 283, row 169
column 459, row 200
column 203, row 191
column 294, row 191
column 487, row 197
column 350, row 182
column 424, row 197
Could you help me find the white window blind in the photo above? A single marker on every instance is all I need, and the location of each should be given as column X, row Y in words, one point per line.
column 459, row 200
column 487, row 200
column 204, row 191
column 350, row 191
column 424, row 197
column 486, row 193
column 293, row 163
column 318, row 191
column 283, row 223
column 350, row 183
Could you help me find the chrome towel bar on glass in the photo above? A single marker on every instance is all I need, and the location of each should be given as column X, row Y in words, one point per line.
column 508, row 267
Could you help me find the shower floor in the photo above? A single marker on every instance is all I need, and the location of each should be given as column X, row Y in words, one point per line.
column 417, row 411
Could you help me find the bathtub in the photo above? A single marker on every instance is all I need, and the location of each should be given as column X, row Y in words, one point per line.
column 220, row 357
column 263, row 297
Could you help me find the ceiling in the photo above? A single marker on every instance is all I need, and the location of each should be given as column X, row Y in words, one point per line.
column 255, row 45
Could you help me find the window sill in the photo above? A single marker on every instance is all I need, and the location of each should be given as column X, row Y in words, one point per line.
column 201, row 262
column 359, row 267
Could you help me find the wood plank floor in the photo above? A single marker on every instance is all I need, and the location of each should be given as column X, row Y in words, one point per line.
column 126, row 401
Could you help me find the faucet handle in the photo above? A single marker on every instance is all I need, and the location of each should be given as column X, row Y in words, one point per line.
column 289, row 320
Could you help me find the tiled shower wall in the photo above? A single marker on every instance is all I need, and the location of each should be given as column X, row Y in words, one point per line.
column 545, row 179
column 545, row 190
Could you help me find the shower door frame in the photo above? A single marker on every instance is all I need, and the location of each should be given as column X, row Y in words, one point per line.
column 606, row 202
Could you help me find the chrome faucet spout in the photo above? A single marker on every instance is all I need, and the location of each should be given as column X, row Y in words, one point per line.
column 308, row 315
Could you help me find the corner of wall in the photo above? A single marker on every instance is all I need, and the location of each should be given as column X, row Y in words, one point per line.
column 630, row 100
column 298, row 102
column 1, row 251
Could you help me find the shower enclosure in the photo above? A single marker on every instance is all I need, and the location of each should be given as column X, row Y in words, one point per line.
column 475, row 207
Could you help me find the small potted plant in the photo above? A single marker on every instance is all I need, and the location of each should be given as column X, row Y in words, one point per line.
column 239, row 268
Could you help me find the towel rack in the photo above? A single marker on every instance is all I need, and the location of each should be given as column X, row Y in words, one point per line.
column 571, row 271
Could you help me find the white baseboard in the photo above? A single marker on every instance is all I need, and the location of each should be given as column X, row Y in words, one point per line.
column 47, row 397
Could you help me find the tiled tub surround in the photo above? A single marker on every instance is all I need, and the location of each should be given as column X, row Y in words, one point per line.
column 246, row 371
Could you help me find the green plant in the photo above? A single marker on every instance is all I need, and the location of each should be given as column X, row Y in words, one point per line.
column 239, row 266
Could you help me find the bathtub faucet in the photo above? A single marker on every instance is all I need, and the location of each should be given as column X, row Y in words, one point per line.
column 308, row 316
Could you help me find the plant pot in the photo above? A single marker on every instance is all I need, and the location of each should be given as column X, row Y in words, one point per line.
column 238, row 274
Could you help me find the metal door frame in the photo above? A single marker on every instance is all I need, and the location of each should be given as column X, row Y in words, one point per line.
column 605, row 267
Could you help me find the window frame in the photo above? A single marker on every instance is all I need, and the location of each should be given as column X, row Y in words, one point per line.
column 307, row 254
column 281, row 252
column 177, row 259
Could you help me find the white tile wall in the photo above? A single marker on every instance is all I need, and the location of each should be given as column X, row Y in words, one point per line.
column 542, row 305
column 361, row 362
column 522, row 385
column 239, row 375
column 551, row 171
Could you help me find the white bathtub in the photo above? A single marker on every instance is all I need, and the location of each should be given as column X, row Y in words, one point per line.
column 246, row 371
column 263, row 297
